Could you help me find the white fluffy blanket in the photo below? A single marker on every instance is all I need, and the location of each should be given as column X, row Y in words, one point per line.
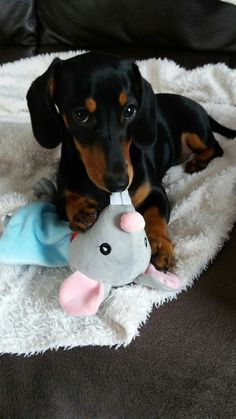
column 230, row 1
column 204, row 209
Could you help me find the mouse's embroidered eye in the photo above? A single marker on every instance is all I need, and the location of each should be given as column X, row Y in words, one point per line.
column 82, row 115
column 145, row 241
column 105, row 249
column 130, row 111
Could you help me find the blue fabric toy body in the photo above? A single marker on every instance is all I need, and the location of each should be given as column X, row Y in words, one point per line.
column 35, row 235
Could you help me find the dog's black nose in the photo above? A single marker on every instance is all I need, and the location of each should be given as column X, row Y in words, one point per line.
column 117, row 183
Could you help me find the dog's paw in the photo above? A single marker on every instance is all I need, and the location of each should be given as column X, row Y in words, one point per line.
column 162, row 254
column 84, row 216
column 195, row 165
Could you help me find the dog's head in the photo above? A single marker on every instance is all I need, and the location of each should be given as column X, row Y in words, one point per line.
column 101, row 104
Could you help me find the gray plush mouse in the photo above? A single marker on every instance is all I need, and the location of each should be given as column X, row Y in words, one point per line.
column 115, row 251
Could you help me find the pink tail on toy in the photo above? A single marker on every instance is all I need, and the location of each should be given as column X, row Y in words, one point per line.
column 80, row 295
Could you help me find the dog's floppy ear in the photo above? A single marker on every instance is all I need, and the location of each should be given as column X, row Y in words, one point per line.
column 46, row 122
column 145, row 123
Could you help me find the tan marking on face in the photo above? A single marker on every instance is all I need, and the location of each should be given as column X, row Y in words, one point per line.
column 94, row 162
column 51, row 87
column 91, row 105
column 65, row 120
column 130, row 169
column 141, row 194
column 123, row 98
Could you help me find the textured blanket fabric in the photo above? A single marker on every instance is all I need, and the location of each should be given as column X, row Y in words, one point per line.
column 203, row 212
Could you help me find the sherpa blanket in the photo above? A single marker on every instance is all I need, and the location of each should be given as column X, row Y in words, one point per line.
column 203, row 212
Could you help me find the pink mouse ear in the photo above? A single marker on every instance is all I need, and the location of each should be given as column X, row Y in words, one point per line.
column 132, row 222
column 80, row 295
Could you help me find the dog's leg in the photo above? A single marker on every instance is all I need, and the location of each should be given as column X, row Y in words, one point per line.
column 161, row 245
column 81, row 211
column 156, row 210
column 204, row 153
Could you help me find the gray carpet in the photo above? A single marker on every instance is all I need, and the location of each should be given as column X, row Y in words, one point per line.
column 183, row 365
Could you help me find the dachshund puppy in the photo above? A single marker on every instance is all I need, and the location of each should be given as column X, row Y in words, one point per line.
column 115, row 133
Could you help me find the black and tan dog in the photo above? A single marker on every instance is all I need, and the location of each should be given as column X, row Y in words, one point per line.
column 117, row 134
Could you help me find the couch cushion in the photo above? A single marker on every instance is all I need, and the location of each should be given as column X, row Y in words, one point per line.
column 17, row 23
column 208, row 25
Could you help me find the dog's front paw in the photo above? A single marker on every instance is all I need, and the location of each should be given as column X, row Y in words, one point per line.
column 195, row 165
column 162, row 254
column 84, row 216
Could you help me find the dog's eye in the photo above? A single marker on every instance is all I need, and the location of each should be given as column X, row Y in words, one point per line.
column 129, row 111
column 82, row 115
column 105, row 249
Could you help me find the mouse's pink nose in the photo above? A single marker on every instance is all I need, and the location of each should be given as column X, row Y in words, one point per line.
column 132, row 222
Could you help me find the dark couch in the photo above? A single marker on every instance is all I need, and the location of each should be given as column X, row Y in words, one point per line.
column 183, row 363
column 191, row 33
